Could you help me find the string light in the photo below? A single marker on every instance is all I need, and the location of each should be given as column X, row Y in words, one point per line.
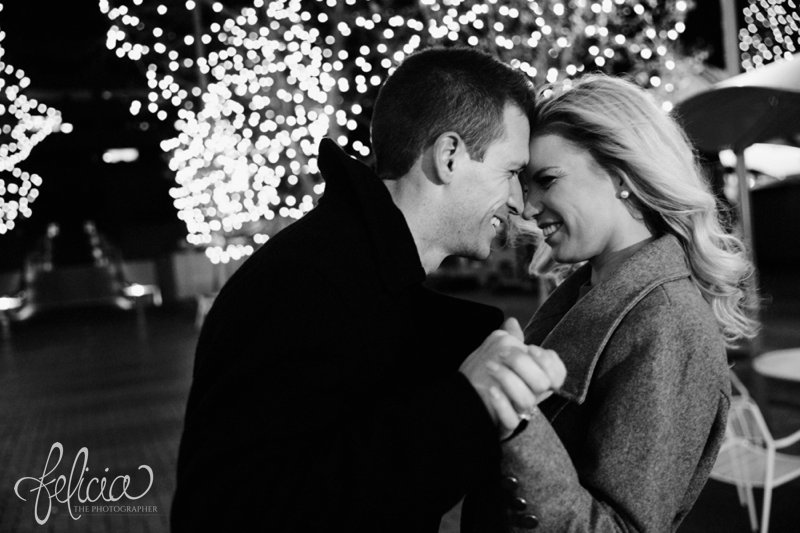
column 771, row 31
column 24, row 123
column 252, row 91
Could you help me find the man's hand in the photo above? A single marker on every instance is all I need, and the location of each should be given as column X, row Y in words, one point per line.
column 512, row 377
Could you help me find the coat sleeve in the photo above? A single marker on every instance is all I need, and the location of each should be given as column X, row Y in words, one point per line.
column 653, row 409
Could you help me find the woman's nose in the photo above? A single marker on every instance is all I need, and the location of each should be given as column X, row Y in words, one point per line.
column 532, row 208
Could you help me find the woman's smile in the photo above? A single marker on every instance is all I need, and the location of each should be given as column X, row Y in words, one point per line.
column 549, row 228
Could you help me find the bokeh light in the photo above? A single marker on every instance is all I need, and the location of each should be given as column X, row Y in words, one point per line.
column 252, row 90
column 24, row 123
column 771, row 31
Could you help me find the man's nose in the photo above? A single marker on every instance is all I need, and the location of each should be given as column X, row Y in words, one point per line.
column 515, row 200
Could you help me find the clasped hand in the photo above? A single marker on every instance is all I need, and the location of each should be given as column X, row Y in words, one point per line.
column 512, row 377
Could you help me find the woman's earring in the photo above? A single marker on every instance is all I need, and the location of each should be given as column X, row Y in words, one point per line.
column 624, row 194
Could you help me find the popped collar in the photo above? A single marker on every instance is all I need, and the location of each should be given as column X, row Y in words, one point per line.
column 579, row 329
column 347, row 179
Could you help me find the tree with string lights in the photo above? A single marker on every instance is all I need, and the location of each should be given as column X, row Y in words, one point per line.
column 244, row 157
column 253, row 89
column 24, row 123
column 552, row 40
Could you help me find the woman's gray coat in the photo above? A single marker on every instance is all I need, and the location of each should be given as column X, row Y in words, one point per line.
column 628, row 442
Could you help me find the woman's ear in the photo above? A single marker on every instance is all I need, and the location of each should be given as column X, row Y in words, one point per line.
column 620, row 183
column 446, row 150
column 625, row 194
column 621, row 187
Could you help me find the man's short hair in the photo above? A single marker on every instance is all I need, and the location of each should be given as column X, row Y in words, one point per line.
column 438, row 90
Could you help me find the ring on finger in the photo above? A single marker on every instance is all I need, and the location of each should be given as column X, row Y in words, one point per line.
column 525, row 415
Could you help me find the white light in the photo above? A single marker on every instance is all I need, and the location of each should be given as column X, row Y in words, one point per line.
column 25, row 123
column 775, row 160
column 278, row 81
column 120, row 155
column 135, row 290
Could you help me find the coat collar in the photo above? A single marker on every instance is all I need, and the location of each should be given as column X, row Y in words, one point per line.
column 349, row 180
column 579, row 332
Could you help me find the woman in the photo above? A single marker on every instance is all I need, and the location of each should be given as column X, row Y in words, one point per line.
column 629, row 440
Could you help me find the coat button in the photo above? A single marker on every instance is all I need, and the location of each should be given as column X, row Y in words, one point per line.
column 525, row 521
column 518, row 504
column 509, row 483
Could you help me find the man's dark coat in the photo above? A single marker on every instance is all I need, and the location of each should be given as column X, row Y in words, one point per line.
column 326, row 395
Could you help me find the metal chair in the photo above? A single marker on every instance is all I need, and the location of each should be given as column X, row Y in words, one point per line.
column 749, row 455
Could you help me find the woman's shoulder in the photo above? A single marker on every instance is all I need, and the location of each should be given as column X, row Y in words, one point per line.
column 676, row 302
column 675, row 327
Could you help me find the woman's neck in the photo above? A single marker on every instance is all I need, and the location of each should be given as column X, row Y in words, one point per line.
column 605, row 265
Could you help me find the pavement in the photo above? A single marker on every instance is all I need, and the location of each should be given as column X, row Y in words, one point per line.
column 115, row 384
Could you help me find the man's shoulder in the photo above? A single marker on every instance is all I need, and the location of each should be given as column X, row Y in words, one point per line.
column 325, row 233
column 320, row 254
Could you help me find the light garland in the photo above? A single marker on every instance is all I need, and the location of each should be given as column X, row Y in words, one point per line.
column 549, row 40
column 771, row 31
column 274, row 78
column 24, row 123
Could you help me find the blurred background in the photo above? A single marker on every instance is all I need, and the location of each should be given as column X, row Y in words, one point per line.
column 148, row 148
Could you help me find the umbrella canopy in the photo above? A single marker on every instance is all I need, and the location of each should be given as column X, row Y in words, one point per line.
column 757, row 106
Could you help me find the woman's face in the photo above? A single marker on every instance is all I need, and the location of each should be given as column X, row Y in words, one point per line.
column 575, row 202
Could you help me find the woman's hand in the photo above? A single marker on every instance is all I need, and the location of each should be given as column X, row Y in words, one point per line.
column 512, row 377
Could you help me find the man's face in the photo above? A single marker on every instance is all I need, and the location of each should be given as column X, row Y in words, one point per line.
column 485, row 191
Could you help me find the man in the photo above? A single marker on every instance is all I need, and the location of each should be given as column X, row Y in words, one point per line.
column 334, row 392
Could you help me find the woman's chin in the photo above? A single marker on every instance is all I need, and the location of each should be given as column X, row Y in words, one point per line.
column 566, row 256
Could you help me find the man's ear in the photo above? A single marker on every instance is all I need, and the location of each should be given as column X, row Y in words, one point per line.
column 447, row 149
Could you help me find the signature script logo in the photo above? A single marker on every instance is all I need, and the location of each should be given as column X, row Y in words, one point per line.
column 63, row 489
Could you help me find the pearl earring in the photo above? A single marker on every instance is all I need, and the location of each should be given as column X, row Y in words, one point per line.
column 624, row 194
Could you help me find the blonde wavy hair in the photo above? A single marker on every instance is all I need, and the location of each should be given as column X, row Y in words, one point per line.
column 626, row 132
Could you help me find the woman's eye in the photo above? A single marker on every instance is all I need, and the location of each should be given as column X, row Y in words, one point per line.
column 545, row 181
